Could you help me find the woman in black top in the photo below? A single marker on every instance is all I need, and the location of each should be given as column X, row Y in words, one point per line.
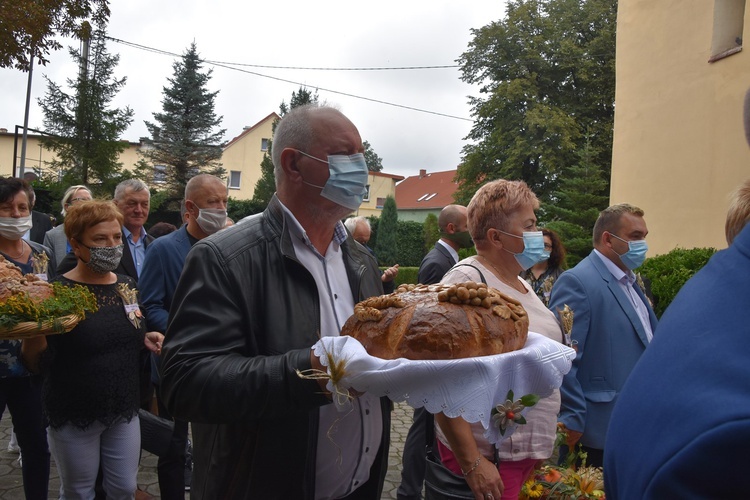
column 90, row 393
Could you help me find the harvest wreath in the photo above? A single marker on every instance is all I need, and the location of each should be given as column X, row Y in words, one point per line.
column 29, row 306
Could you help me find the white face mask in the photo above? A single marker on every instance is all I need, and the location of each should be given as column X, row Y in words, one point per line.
column 211, row 220
column 13, row 228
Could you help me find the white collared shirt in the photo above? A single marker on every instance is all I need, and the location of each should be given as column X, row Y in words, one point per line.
column 137, row 249
column 347, row 442
column 626, row 282
column 450, row 249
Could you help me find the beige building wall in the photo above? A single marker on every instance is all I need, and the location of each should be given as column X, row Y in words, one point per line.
column 679, row 148
column 39, row 157
column 36, row 156
column 242, row 157
column 381, row 186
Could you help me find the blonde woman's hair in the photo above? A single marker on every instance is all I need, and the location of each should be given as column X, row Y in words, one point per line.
column 739, row 212
column 494, row 203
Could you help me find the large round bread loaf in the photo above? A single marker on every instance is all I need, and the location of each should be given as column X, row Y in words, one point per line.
column 12, row 282
column 439, row 322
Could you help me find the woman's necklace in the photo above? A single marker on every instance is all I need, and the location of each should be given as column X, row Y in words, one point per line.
column 16, row 257
column 497, row 273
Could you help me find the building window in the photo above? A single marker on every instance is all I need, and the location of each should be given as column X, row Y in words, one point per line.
column 380, row 203
column 367, row 194
column 729, row 20
column 160, row 174
column 264, row 144
column 234, row 179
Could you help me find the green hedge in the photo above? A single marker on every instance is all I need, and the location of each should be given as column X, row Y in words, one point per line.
column 668, row 272
column 406, row 274
column 409, row 241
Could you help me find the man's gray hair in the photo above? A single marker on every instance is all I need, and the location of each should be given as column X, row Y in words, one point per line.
column 134, row 185
column 294, row 131
column 352, row 222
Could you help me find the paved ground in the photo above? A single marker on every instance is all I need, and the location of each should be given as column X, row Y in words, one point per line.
column 11, row 485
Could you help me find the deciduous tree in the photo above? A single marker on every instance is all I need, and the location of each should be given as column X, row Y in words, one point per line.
column 28, row 28
column 547, row 76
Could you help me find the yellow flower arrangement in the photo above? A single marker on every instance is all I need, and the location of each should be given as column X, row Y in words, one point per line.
column 20, row 308
column 565, row 482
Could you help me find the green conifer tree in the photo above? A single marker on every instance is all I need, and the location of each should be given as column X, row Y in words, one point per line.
column 85, row 129
column 185, row 138
column 576, row 204
column 386, row 246
column 430, row 231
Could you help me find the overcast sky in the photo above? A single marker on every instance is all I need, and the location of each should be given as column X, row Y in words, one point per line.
column 293, row 33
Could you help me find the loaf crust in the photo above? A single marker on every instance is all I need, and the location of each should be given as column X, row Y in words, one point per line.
column 427, row 322
column 12, row 282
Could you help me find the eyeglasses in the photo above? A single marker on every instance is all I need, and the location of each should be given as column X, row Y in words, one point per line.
column 79, row 199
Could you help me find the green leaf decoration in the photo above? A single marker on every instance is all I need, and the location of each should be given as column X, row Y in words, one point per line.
column 510, row 395
column 529, row 400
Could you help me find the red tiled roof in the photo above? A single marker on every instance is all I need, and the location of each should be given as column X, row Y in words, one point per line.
column 435, row 190
column 247, row 130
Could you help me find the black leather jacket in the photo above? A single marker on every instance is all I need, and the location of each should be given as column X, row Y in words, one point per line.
column 243, row 319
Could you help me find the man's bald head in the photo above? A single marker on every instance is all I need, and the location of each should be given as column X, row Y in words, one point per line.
column 452, row 214
column 199, row 183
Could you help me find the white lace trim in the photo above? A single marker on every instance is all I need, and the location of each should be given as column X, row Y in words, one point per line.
column 468, row 388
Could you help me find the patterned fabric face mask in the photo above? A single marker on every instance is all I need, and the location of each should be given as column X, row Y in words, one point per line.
column 104, row 259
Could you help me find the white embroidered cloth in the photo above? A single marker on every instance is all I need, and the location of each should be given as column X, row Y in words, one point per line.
column 468, row 387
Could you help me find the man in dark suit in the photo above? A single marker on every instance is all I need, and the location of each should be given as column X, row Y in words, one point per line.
column 132, row 197
column 454, row 235
column 613, row 325
column 41, row 222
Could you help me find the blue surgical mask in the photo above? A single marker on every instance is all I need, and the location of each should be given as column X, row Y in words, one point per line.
column 347, row 179
column 636, row 253
column 533, row 249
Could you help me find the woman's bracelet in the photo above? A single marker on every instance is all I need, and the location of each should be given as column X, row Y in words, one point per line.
column 473, row 467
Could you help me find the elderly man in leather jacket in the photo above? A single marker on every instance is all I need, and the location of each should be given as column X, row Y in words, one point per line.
column 252, row 301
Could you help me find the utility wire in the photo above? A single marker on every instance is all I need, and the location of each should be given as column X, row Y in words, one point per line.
column 228, row 66
column 229, row 63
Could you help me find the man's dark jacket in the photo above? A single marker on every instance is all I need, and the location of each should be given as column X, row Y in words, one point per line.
column 40, row 224
column 435, row 264
column 243, row 319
